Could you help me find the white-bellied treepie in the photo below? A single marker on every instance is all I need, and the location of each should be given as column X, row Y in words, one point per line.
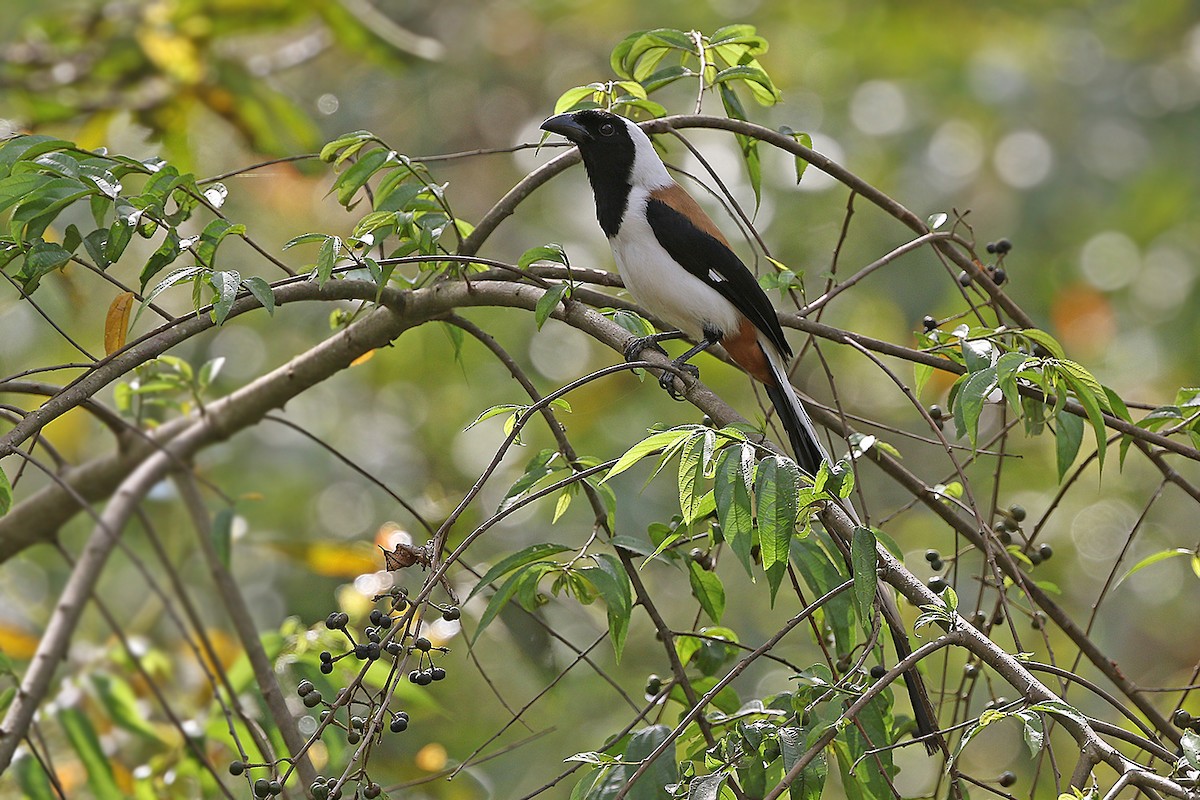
column 678, row 265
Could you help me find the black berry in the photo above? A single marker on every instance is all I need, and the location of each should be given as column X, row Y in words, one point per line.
column 304, row 688
column 878, row 671
column 1045, row 551
column 935, row 411
column 326, row 667
column 262, row 787
column 936, row 584
column 932, row 556
column 1180, row 719
column 964, row 279
column 437, row 673
column 238, row 767
column 452, row 613
column 1007, row 778
column 1017, row 512
column 422, row 644
column 312, row 699
column 398, row 725
column 1003, row 246
column 929, row 323
column 999, row 276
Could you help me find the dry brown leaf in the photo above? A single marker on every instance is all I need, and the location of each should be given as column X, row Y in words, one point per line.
column 116, row 322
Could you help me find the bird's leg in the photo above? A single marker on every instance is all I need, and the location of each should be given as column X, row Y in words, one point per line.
column 712, row 336
column 636, row 346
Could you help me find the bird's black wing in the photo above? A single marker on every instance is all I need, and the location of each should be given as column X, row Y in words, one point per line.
column 711, row 260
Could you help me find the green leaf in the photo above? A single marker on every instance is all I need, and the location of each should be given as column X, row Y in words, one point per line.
column 212, row 236
column 161, row 258
column 694, row 459
column 792, row 746
column 969, row 402
column 86, row 745
column 823, row 575
column 528, row 555
column 1087, row 397
column 222, row 535
column 327, row 256
column 306, row 238
column 226, row 285
column 41, row 259
column 731, row 493
column 651, row 444
column 864, row 758
column 573, row 98
column 122, row 705
column 707, row 787
column 549, row 301
column 31, row 778
column 921, row 375
column 707, row 588
column 353, row 179
column 6, row 493
column 651, row 786
column 776, row 488
column 863, row 559
column 1068, row 436
column 1045, row 340
column 500, row 599
column 261, row 291
column 1154, row 558
column 548, row 252
column 612, row 584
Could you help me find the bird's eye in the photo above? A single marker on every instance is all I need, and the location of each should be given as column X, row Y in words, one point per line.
column 607, row 129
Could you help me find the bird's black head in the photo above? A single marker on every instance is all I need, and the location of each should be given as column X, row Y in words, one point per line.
column 609, row 149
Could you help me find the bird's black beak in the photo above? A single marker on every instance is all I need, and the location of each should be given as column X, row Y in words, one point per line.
column 565, row 125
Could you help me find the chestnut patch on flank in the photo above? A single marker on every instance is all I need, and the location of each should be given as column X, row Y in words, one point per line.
column 681, row 201
column 743, row 347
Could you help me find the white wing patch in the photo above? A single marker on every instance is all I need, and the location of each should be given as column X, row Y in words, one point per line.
column 715, row 276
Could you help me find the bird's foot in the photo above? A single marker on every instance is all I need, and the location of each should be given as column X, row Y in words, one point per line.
column 635, row 347
column 667, row 379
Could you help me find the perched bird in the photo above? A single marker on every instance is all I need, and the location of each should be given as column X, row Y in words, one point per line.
column 678, row 265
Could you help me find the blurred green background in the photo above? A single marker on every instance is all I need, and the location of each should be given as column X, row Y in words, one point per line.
column 1070, row 128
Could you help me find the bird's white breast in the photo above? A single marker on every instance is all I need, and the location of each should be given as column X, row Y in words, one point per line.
column 660, row 284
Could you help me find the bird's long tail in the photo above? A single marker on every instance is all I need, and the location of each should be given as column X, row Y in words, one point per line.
column 806, row 446
column 809, row 454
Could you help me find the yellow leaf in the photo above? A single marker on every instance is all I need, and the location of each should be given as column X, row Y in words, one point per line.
column 17, row 643
column 116, row 322
column 364, row 358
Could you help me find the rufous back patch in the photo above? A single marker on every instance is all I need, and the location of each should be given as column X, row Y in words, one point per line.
column 681, row 201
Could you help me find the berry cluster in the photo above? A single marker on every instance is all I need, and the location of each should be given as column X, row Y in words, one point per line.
column 360, row 713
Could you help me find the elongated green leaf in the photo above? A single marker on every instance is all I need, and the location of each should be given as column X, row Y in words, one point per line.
column 651, row 444
column 211, row 237
column 353, row 179
column 731, row 493
column 6, row 494
column 31, row 778
column 707, row 588
column 121, row 704
column 612, row 583
column 226, row 285
column 792, row 746
column 535, row 552
column 41, row 259
column 1045, row 340
column 1090, row 401
column 863, row 558
column 549, row 301
column 548, row 252
column 776, row 487
column 823, row 575
column 1154, row 558
column 161, row 258
column 969, row 402
column 500, row 599
column 327, row 256
column 707, row 787
column 86, row 745
column 693, row 464
column 262, row 292
column 652, row 785
column 1068, row 436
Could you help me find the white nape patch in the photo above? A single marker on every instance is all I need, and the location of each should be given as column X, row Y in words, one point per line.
column 648, row 171
column 715, row 276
